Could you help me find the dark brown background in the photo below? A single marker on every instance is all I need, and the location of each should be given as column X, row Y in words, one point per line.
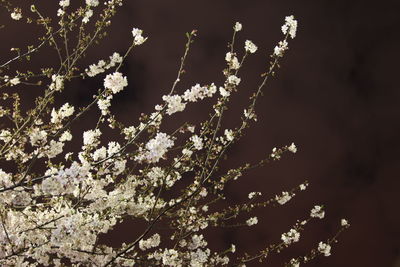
column 336, row 97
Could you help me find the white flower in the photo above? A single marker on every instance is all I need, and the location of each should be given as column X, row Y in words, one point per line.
column 91, row 137
column 344, row 222
column 232, row 60
column 252, row 221
column 156, row 148
column 137, row 35
column 104, row 104
column 88, row 15
column 290, row 25
column 65, row 111
column 284, row 198
column 233, row 80
column 116, row 82
column 174, row 103
column 317, row 212
column 54, row 149
column 290, row 237
column 294, row 263
column 303, row 187
column 237, row 27
column 197, row 142
column 253, row 194
column 187, row 152
column 66, row 136
column 152, row 242
column 93, row 3
column 37, row 136
column 100, row 154
column 324, row 249
column 249, row 46
column 57, row 82
column 15, row 81
column 292, row 148
column 223, row 92
column 17, row 14
column 229, row 134
column 280, row 49
column 64, row 3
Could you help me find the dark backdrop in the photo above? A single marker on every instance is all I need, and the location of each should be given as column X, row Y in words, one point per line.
column 336, row 97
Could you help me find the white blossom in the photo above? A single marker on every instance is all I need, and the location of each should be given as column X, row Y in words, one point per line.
column 138, row 39
column 17, row 14
column 229, row 134
column 284, row 198
column 252, row 221
column 151, row 242
column 324, row 249
column 91, row 137
column 317, row 212
column 290, row 25
column 344, row 222
column 57, row 82
column 290, row 237
column 93, row 3
column 232, row 79
column 237, row 27
column 280, row 49
column 64, row 3
column 197, row 142
column 156, row 148
column 116, row 82
column 250, row 47
column 174, row 103
column 292, row 148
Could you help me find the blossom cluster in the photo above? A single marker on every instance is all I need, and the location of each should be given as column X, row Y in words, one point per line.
column 61, row 200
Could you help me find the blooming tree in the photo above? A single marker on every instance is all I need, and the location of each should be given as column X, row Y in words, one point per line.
column 56, row 203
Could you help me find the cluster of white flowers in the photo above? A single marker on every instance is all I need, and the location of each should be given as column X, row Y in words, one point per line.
column 252, row 221
column 290, row 25
column 57, row 82
column 237, row 27
column 37, row 136
column 229, row 134
column 65, row 111
column 138, row 39
column 294, row 263
column 92, row 3
column 317, row 212
column 197, row 92
column 324, row 248
column 284, row 198
column 156, row 148
column 290, row 237
column 104, row 104
column 64, row 3
column 88, row 15
column 254, row 194
column 232, row 60
column 197, row 142
column 152, row 242
column 250, row 47
column 91, row 137
column 102, row 65
column 233, row 79
column 16, row 14
column 115, row 82
column 280, row 49
column 292, row 148
column 174, row 103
